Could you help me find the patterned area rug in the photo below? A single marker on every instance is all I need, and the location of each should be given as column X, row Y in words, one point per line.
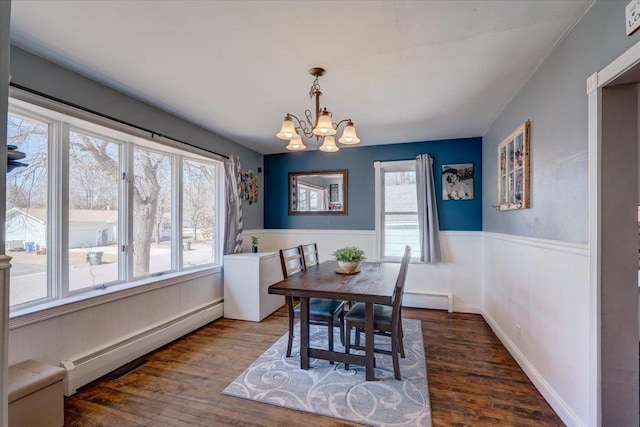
column 329, row 390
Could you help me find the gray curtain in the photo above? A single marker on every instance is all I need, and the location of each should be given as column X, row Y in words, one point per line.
column 233, row 223
column 427, row 210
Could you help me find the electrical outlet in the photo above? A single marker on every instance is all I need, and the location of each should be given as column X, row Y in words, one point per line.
column 518, row 331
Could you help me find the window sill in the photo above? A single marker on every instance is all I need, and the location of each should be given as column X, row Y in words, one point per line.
column 55, row 308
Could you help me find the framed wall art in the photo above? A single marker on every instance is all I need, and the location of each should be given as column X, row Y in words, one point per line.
column 457, row 182
column 513, row 170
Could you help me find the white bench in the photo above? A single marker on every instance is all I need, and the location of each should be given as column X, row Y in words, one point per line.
column 35, row 395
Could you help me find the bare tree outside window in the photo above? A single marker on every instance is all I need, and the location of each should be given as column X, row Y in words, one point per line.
column 93, row 211
column 26, row 216
column 198, row 204
column 151, row 184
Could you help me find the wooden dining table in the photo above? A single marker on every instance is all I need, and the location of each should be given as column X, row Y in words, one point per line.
column 374, row 284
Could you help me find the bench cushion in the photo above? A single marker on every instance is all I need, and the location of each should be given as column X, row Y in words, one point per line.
column 322, row 307
column 30, row 376
column 381, row 314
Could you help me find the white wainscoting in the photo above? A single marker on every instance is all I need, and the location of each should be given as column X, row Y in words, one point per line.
column 536, row 300
column 540, row 285
column 458, row 278
column 94, row 340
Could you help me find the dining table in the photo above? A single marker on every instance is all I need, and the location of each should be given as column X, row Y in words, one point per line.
column 374, row 283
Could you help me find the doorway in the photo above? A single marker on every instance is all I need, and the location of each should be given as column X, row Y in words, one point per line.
column 613, row 244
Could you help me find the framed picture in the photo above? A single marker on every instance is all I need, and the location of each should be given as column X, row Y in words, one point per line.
column 513, row 170
column 457, row 182
column 334, row 193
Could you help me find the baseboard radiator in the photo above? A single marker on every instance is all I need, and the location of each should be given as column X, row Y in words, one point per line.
column 433, row 300
column 89, row 367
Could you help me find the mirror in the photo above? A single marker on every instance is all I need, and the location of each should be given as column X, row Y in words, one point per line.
column 318, row 192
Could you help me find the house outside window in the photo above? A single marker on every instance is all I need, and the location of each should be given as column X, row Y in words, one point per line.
column 99, row 206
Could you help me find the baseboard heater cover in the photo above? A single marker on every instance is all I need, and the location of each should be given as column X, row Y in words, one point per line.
column 82, row 370
column 434, row 300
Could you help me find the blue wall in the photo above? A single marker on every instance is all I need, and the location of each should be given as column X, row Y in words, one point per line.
column 453, row 215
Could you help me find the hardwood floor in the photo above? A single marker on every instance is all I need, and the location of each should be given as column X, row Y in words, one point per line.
column 473, row 381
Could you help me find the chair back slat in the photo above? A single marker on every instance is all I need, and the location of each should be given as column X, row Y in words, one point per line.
column 291, row 261
column 309, row 254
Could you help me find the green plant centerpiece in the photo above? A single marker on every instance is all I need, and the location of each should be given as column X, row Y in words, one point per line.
column 254, row 244
column 349, row 258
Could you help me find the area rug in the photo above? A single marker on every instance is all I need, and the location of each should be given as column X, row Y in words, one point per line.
column 329, row 390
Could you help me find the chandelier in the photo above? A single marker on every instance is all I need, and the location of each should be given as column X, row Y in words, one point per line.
column 321, row 127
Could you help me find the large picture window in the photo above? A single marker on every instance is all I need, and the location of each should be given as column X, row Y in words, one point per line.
column 98, row 206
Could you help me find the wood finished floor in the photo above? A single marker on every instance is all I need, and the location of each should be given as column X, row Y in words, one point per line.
column 473, row 381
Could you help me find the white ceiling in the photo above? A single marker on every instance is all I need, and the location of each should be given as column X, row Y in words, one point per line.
column 404, row 71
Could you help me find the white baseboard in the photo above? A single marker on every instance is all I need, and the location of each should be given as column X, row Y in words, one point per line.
column 467, row 308
column 86, row 368
column 556, row 402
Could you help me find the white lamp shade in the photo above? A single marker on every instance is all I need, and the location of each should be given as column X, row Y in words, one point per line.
column 288, row 130
column 324, row 126
column 296, row 144
column 349, row 136
column 329, row 144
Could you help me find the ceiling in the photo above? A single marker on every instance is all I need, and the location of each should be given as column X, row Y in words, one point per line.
column 403, row 71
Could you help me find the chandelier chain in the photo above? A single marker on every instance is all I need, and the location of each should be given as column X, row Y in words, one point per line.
column 315, row 88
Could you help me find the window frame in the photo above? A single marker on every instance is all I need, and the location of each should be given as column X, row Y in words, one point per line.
column 309, row 188
column 380, row 168
column 63, row 119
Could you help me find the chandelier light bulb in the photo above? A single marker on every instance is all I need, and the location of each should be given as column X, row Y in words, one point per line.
column 296, row 144
column 349, row 136
column 329, row 144
column 324, row 126
column 288, row 130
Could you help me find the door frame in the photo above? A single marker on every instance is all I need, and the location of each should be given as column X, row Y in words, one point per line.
column 595, row 84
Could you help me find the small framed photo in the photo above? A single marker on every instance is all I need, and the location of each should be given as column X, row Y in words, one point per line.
column 457, row 182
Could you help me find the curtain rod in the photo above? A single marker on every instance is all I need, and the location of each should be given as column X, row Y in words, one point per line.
column 105, row 116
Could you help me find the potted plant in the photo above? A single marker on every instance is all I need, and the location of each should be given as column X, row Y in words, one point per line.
column 254, row 244
column 349, row 257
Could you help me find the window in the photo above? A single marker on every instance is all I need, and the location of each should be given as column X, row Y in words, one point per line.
column 94, row 194
column 198, row 215
column 396, row 209
column 152, row 244
column 99, row 206
column 310, row 197
column 28, row 208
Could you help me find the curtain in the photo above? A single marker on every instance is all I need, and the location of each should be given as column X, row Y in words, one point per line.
column 325, row 200
column 233, row 223
column 427, row 210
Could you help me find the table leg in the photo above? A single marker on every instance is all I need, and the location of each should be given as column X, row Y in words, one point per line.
column 304, row 333
column 368, row 336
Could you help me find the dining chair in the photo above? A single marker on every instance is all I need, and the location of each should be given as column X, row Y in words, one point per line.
column 309, row 254
column 310, row 258
column 321, row 311
column 387, row 320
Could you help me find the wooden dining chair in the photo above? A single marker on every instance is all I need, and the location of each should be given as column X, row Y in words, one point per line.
column 387, row 320
column 321, row 311
column 309, row 254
